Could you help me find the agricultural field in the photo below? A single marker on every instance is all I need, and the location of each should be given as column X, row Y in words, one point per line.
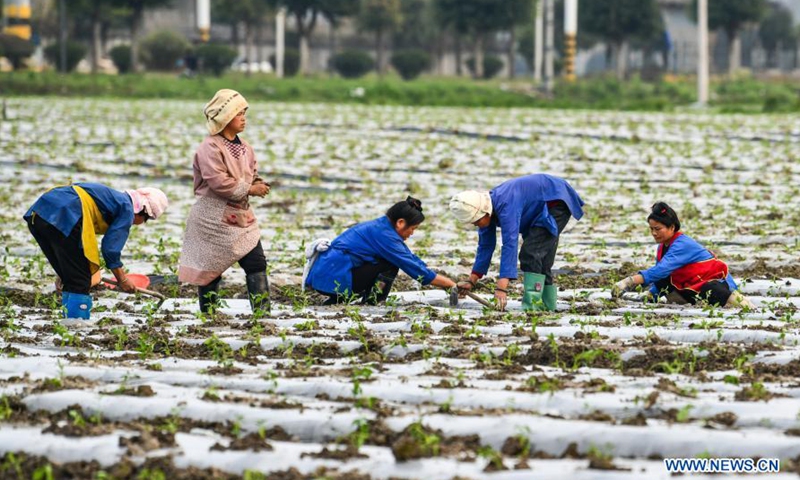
column 601, row 388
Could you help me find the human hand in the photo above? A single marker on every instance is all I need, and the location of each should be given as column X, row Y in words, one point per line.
column 258, row 189
column 622, row 286
column 126, row 285
column 463, row 288
column 501, row 297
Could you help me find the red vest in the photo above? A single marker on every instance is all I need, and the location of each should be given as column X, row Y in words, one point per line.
column 695, row 275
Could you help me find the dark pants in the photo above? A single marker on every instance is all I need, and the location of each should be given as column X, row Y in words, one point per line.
column 365, row 278
column 254, row 262
column 715, row 292
column 538, row 251
column 65, row 254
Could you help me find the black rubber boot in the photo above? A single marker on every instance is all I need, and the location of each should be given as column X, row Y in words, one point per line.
column 209, row 298
column 380, row 291
column 258, row 292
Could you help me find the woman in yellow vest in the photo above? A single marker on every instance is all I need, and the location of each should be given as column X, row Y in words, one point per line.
column 65, row 222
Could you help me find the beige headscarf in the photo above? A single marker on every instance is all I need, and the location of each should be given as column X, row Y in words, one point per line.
column 470, row 206
column 222, row 108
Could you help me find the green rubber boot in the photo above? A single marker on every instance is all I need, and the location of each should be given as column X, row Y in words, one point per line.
column 532, row 295
column 549, row 297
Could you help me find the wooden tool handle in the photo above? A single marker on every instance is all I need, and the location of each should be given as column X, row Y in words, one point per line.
column 480, row 300
column 143, row 290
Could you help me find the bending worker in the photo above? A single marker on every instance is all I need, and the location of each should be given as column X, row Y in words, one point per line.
column 222, row 229
column 685, row 271
column 537, row 207
column 65, row 221
column 364, row 260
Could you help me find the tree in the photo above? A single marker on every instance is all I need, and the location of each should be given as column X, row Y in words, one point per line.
column 478, row 18
column 305, row 13
column 135, row 9
column 379, row 17
column 618, row 22
column 515, row 13
column 334, row 14
column 731, row 16
column 98, row 12
column 249, row 13
column 450, row 15
column 776, row 32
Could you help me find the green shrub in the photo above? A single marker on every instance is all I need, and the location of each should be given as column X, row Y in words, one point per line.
column 121, row 56
column 781, row 102
column 75, row 53
column 162, row 50
column 15, row 49
column 291, row 62
column 352, row 63
column 492, row 64
column 215, row 57
column 410, row 63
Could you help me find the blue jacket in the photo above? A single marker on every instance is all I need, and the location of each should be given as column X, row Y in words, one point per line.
column 61, row 208
column 364, row 243
column 683, row 251
column 517, row 205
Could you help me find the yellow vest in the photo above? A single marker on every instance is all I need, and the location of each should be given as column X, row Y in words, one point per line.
column 93, row 224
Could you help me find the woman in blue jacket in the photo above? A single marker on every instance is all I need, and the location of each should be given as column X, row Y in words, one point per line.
column 538, row 207
column 65, row 221
column 685, row 271
column 364, row 260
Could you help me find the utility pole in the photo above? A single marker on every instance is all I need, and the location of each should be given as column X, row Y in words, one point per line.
column 204, row 19
column 62, row 35
column 538, row 25
column 17, row 18
column 549, row 47
column 570, row 34
column 280, row 27
column 702, row 52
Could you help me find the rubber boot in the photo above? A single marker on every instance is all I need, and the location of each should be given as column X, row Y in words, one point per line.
column 258, row 292
column 550, row 297
column 209, row 298
column 532, row 295
column 380, row 290
column 76, row 305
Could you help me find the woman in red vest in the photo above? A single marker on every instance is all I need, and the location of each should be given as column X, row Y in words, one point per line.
column 685, row 271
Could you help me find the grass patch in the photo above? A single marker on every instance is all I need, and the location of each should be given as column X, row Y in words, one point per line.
column 740, row 95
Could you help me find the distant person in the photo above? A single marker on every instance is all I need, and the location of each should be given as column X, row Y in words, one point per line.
column 222, row 229
column 364, row 260
column 65, row 222
column 190, row 62
column 538, row 207
column 685, row 271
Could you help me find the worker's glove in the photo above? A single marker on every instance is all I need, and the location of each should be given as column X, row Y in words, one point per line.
column 464, row 287
column 622, row 286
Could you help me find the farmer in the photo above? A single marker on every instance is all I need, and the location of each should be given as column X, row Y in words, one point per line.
column 65, row 221
column 537, row 207
column 222, row 229
column 364, row 260
column 685, row 271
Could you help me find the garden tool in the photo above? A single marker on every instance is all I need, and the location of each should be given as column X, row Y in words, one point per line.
column 161, row 298
column 454, row 298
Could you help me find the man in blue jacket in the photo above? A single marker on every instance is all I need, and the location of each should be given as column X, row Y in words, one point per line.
column 537, row 207
column 65, row 221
